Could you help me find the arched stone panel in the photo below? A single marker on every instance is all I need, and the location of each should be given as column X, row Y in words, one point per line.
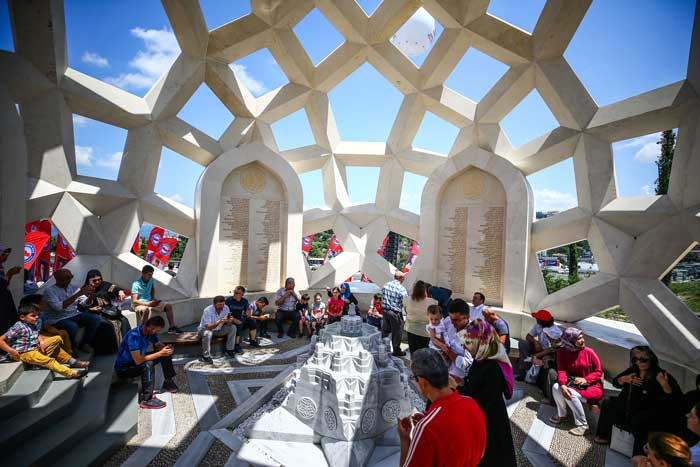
column 248, row 210
column 476, row 216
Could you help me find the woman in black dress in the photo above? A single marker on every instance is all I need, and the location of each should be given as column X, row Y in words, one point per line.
column 490, row 378
column 651, row 400
column 102, row 301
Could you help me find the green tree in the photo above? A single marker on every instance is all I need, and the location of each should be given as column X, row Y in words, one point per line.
column 142, row 247
column 179, row 249
column 665, row 160
column 663, row 165
column 573, row 263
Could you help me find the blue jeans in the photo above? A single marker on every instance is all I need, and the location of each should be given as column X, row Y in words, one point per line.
column 90, row 321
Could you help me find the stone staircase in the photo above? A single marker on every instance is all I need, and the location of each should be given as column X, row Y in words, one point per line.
column 49, row 420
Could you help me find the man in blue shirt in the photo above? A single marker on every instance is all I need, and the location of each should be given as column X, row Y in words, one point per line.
column 143, row 299
column 133, row 359
column 238, row 306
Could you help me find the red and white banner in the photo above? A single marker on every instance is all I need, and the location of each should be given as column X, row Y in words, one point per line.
column 136, row 247
column 334, row 248
column 306, row 244
column 165, row 249
column 43, row 260
column 34, row 242
column 380, row 250
column 63, row 253
column 412, row 255
column 154, row 239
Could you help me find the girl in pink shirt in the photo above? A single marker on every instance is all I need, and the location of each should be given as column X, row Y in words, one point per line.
column 335, row 306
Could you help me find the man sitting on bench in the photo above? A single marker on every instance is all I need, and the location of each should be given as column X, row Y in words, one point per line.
column 217, row 321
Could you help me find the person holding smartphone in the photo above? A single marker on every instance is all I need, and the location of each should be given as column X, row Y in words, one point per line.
column 143, row 299
column 135, row 359
column 217, row 321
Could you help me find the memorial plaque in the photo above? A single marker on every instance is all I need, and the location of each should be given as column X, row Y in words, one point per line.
column 471, row 238
column 251, row 230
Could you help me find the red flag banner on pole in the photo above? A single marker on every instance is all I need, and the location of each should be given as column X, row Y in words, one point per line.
column 380, row 250
column 62, row 255
column 165, row 249
column 334, row 248
column 306, row 244
column 33, row 244
column 154, row 239
column 412, row 255
column 136, row 247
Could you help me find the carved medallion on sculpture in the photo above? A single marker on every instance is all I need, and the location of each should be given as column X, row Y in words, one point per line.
column 253, row 179
column 306, row 408
column 473, row 182
column 390, row 410
column 331, row 419
column 368, row 420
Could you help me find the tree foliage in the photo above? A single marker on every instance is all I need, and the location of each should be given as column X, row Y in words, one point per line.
column 665, row 160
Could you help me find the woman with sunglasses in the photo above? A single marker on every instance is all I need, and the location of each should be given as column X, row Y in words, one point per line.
column 651, row 400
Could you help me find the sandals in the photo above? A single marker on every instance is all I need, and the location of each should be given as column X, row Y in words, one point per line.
column 80, row 364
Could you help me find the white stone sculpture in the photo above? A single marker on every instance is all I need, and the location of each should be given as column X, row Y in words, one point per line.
column 635, row 240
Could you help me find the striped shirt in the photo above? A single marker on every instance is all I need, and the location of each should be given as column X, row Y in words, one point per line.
column 22, row 337
column 392, row 296
column 453, row 432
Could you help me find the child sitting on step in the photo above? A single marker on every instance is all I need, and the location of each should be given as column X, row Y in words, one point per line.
column 23, row 343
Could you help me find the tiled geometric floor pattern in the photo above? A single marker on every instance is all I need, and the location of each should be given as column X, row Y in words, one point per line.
column 185, row 433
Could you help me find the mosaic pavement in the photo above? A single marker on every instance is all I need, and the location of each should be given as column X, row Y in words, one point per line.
column 195, row 428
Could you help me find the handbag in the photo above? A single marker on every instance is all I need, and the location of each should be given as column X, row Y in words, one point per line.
column 570, row 382
column 622, row 440
column 111, row 312
column 532, row 373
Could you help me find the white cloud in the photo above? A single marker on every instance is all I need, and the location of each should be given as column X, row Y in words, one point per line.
column 648, row 150
column 83, row 155
column 96, row 59
column 254, row 86
column 648, row 190
column 111, row 162
column 648, row 154
column 80, row 121
column 176, row 197
column 160, row 53
column 552, row 200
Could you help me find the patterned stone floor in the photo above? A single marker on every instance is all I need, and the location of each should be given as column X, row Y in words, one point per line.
column 195, row 428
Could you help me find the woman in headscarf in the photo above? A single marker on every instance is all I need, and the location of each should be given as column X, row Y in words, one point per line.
column 651, row 400
column 579, row 380
column 103, row 300
column 490, row 378
column 8, row 311
column 345, row 295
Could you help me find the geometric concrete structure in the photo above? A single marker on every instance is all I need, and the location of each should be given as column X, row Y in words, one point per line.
column 635, row 240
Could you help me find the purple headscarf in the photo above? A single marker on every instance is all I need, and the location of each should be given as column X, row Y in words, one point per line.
column 569, row 338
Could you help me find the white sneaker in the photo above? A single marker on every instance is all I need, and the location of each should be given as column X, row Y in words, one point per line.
column 579, row 430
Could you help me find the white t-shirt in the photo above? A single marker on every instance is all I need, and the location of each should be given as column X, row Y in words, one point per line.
column 439, row 333
column 464, row 359
column 475, row 312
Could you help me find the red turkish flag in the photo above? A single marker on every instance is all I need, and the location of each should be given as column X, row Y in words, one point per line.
column 380, row 250
column 33, row 244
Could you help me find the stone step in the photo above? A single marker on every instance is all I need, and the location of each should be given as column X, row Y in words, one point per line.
column 54, row 405
column 9, row 372
column 121, row 424
column 25, row 392
column 87, row 413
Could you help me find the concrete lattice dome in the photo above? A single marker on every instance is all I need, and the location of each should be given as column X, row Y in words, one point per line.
column 635, row 240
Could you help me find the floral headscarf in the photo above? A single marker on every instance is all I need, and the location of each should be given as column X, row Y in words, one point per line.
column 481, row 340
column 569, row 338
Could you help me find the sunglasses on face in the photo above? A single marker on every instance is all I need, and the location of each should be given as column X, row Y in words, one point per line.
column 640, row 360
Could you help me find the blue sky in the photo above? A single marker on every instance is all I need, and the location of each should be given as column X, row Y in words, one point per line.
column 621, row 49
